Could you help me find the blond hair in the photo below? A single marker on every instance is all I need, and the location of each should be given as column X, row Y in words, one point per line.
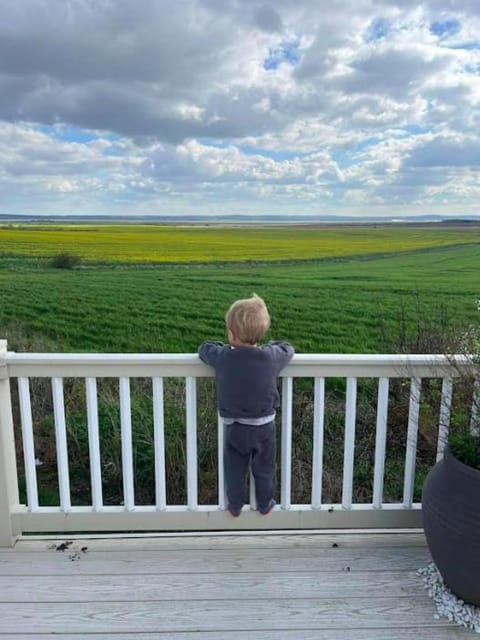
column 248, row 319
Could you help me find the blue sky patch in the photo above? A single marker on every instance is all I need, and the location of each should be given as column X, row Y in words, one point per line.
column 68, row 134
column 348, row 157
column 472, row 68
column 378, row 29
column 74, row 134
column 285, row 52
column 278, row 156
column 468, row 46
column 411, row 130
column 446, row 28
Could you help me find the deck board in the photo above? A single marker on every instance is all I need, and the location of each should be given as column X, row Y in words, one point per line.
column 270, row 587
column 213, row 615
column 87, row 588
column 413, row 633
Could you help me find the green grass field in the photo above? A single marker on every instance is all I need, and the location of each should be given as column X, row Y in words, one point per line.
column 336, row 304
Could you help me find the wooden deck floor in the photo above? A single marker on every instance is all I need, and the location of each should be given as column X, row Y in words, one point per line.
column 247, row 587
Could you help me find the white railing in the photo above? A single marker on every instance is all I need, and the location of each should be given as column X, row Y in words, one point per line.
column 16, row 518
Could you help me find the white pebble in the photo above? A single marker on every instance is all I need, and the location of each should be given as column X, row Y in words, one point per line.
column 446, row 603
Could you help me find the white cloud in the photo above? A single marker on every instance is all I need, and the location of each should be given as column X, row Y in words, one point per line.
column 287, row 106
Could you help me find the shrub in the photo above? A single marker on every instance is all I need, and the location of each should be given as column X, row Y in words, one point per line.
column 65, row 261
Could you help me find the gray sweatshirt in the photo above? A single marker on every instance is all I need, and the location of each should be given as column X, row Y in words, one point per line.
column 246, row 377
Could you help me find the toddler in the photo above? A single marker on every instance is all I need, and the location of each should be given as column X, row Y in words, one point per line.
column 246, row 375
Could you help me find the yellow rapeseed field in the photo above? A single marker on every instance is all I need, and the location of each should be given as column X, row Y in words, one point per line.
column 130, row 243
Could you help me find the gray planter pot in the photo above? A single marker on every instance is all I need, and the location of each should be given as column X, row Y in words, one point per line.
column 451, row 519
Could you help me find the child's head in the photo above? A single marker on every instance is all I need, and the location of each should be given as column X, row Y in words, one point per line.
column 248, row 320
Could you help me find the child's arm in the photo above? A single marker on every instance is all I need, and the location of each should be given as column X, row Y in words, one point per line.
column 282, row 352
column 208, row 352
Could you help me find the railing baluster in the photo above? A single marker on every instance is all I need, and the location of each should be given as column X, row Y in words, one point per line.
column 191, row 414
column 348, row 457
column 61, row 440
column 318, row 428
column 444, row 422
column 222, row 501
column 94, row 443
column 475, row 417
column 28, row 443
column 159, row 440
column 127, row 454
column 287, row 399
column 412, row 434
column 380, row 442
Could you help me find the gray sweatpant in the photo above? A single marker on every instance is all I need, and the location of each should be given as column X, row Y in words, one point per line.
column 244, row 442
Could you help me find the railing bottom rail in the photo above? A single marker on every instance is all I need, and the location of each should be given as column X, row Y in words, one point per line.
column 213, row 519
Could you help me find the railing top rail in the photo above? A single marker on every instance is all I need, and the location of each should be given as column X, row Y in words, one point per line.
column 188, row 364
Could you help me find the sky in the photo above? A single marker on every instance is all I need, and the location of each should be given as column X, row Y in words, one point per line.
column 346, row 107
